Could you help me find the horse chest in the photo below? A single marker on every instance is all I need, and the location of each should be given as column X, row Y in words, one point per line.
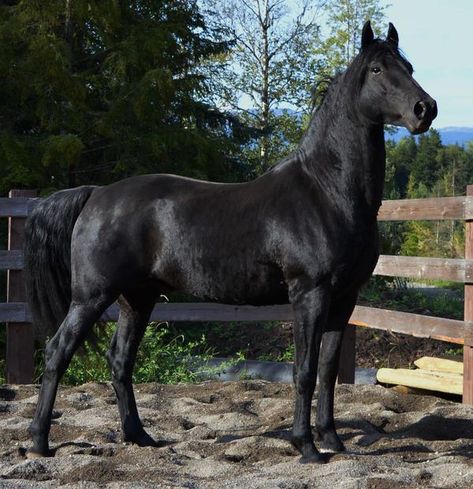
column 356, row 263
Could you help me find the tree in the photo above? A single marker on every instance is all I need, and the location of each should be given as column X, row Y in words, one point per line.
column 92, row 91
column 346, row 19
column 270, row 68
column 399, row 160
column 425, row 167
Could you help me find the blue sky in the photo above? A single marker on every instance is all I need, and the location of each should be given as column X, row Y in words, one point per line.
column 437, row 37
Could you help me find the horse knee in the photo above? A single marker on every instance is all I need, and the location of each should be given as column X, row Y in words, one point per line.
column 121, row 373
column 48, row 353
column 304, row 380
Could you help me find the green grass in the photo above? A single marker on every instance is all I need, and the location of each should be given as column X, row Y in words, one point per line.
column 380, row 293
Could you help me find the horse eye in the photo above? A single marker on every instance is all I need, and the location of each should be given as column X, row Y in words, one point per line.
column 376, row 70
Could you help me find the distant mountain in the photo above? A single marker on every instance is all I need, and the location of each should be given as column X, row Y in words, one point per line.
column 448, row 135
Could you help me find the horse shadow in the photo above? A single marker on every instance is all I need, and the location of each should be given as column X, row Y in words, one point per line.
column 429, row 428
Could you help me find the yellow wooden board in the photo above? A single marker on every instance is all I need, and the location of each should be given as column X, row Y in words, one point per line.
column 439, row 364
column 449, row 382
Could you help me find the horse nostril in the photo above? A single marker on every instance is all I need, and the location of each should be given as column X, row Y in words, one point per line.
column 420, row 110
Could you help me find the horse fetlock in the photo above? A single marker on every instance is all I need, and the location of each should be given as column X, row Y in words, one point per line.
column 305, row 446
column 330, row 441
column 140, row 438
column 303, row 443
column 40, row 441
column 40, row 445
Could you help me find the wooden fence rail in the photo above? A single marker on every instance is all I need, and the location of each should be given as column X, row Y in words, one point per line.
column 16, row 314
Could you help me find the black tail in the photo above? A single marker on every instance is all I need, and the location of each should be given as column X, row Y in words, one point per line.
column 47, row 254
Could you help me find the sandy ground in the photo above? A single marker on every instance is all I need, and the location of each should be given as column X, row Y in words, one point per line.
column 235, row 435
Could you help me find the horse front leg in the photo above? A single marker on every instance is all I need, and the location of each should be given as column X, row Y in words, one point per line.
column 310, row 314
column 337, row 321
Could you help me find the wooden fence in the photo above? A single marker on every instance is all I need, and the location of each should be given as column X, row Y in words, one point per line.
column 19, row 355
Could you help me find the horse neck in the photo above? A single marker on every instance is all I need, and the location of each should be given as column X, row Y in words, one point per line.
column 345, row 156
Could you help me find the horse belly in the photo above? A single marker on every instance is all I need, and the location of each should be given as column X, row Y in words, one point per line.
column 264, row 285
column 228, row 280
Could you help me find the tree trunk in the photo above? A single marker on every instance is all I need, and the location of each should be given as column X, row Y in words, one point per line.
column 264, row 148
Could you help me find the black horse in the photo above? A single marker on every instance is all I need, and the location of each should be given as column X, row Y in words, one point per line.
column 303, row 232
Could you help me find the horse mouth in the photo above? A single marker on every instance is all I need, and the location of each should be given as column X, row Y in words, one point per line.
column 423, row 126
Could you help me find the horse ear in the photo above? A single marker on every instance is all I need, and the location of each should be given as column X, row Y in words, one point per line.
column 367, row 35
column 393, row 36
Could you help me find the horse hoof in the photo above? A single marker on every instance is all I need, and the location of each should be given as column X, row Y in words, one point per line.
column 332, row 447
column 31, row 454
column 314, row 458
column 144, row 440
column 330, row 442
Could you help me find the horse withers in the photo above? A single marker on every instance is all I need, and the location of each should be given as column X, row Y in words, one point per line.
column 303, row 232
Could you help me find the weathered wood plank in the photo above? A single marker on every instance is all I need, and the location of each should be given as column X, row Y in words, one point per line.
column 14, row 312
column 20, row 341
column 448, row 382
column 391, row 210
column 449, row 330
column 347, row 365
column 454, row 269
column 431, row 209
column 468, row 314
column 418, row 325
column 11, row 260
column 17, row 206
column 220, row 312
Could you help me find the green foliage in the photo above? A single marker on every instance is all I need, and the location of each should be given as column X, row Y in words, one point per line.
column 162, row 357
column 287, row 355
column 345, row 20
column 419, row 168
column 270, row 68
column 168, row 360
column 94, row 91
column 425, row 165
column 382, row 292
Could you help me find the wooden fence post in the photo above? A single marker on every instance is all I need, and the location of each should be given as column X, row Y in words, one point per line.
column 346, row 368
column 468, row 347
column 20, row 338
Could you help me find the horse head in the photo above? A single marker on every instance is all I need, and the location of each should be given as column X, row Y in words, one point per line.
column 387, row 91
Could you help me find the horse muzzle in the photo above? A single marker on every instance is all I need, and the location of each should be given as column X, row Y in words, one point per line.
column 424, row 112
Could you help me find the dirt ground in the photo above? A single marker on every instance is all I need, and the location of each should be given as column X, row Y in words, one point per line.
column 235, row 435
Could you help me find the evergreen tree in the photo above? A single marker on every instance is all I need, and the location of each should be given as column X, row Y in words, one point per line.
column 425, row 167
column 93, row 91
column 399, row 161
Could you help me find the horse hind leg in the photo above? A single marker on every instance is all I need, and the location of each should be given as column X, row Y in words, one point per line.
column 58, row 353
column 135, row 310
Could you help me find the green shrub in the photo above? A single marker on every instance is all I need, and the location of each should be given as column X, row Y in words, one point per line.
column 162, row 358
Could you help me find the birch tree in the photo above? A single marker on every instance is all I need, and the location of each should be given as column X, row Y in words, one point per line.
column 270, row 69
column 345, row 20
